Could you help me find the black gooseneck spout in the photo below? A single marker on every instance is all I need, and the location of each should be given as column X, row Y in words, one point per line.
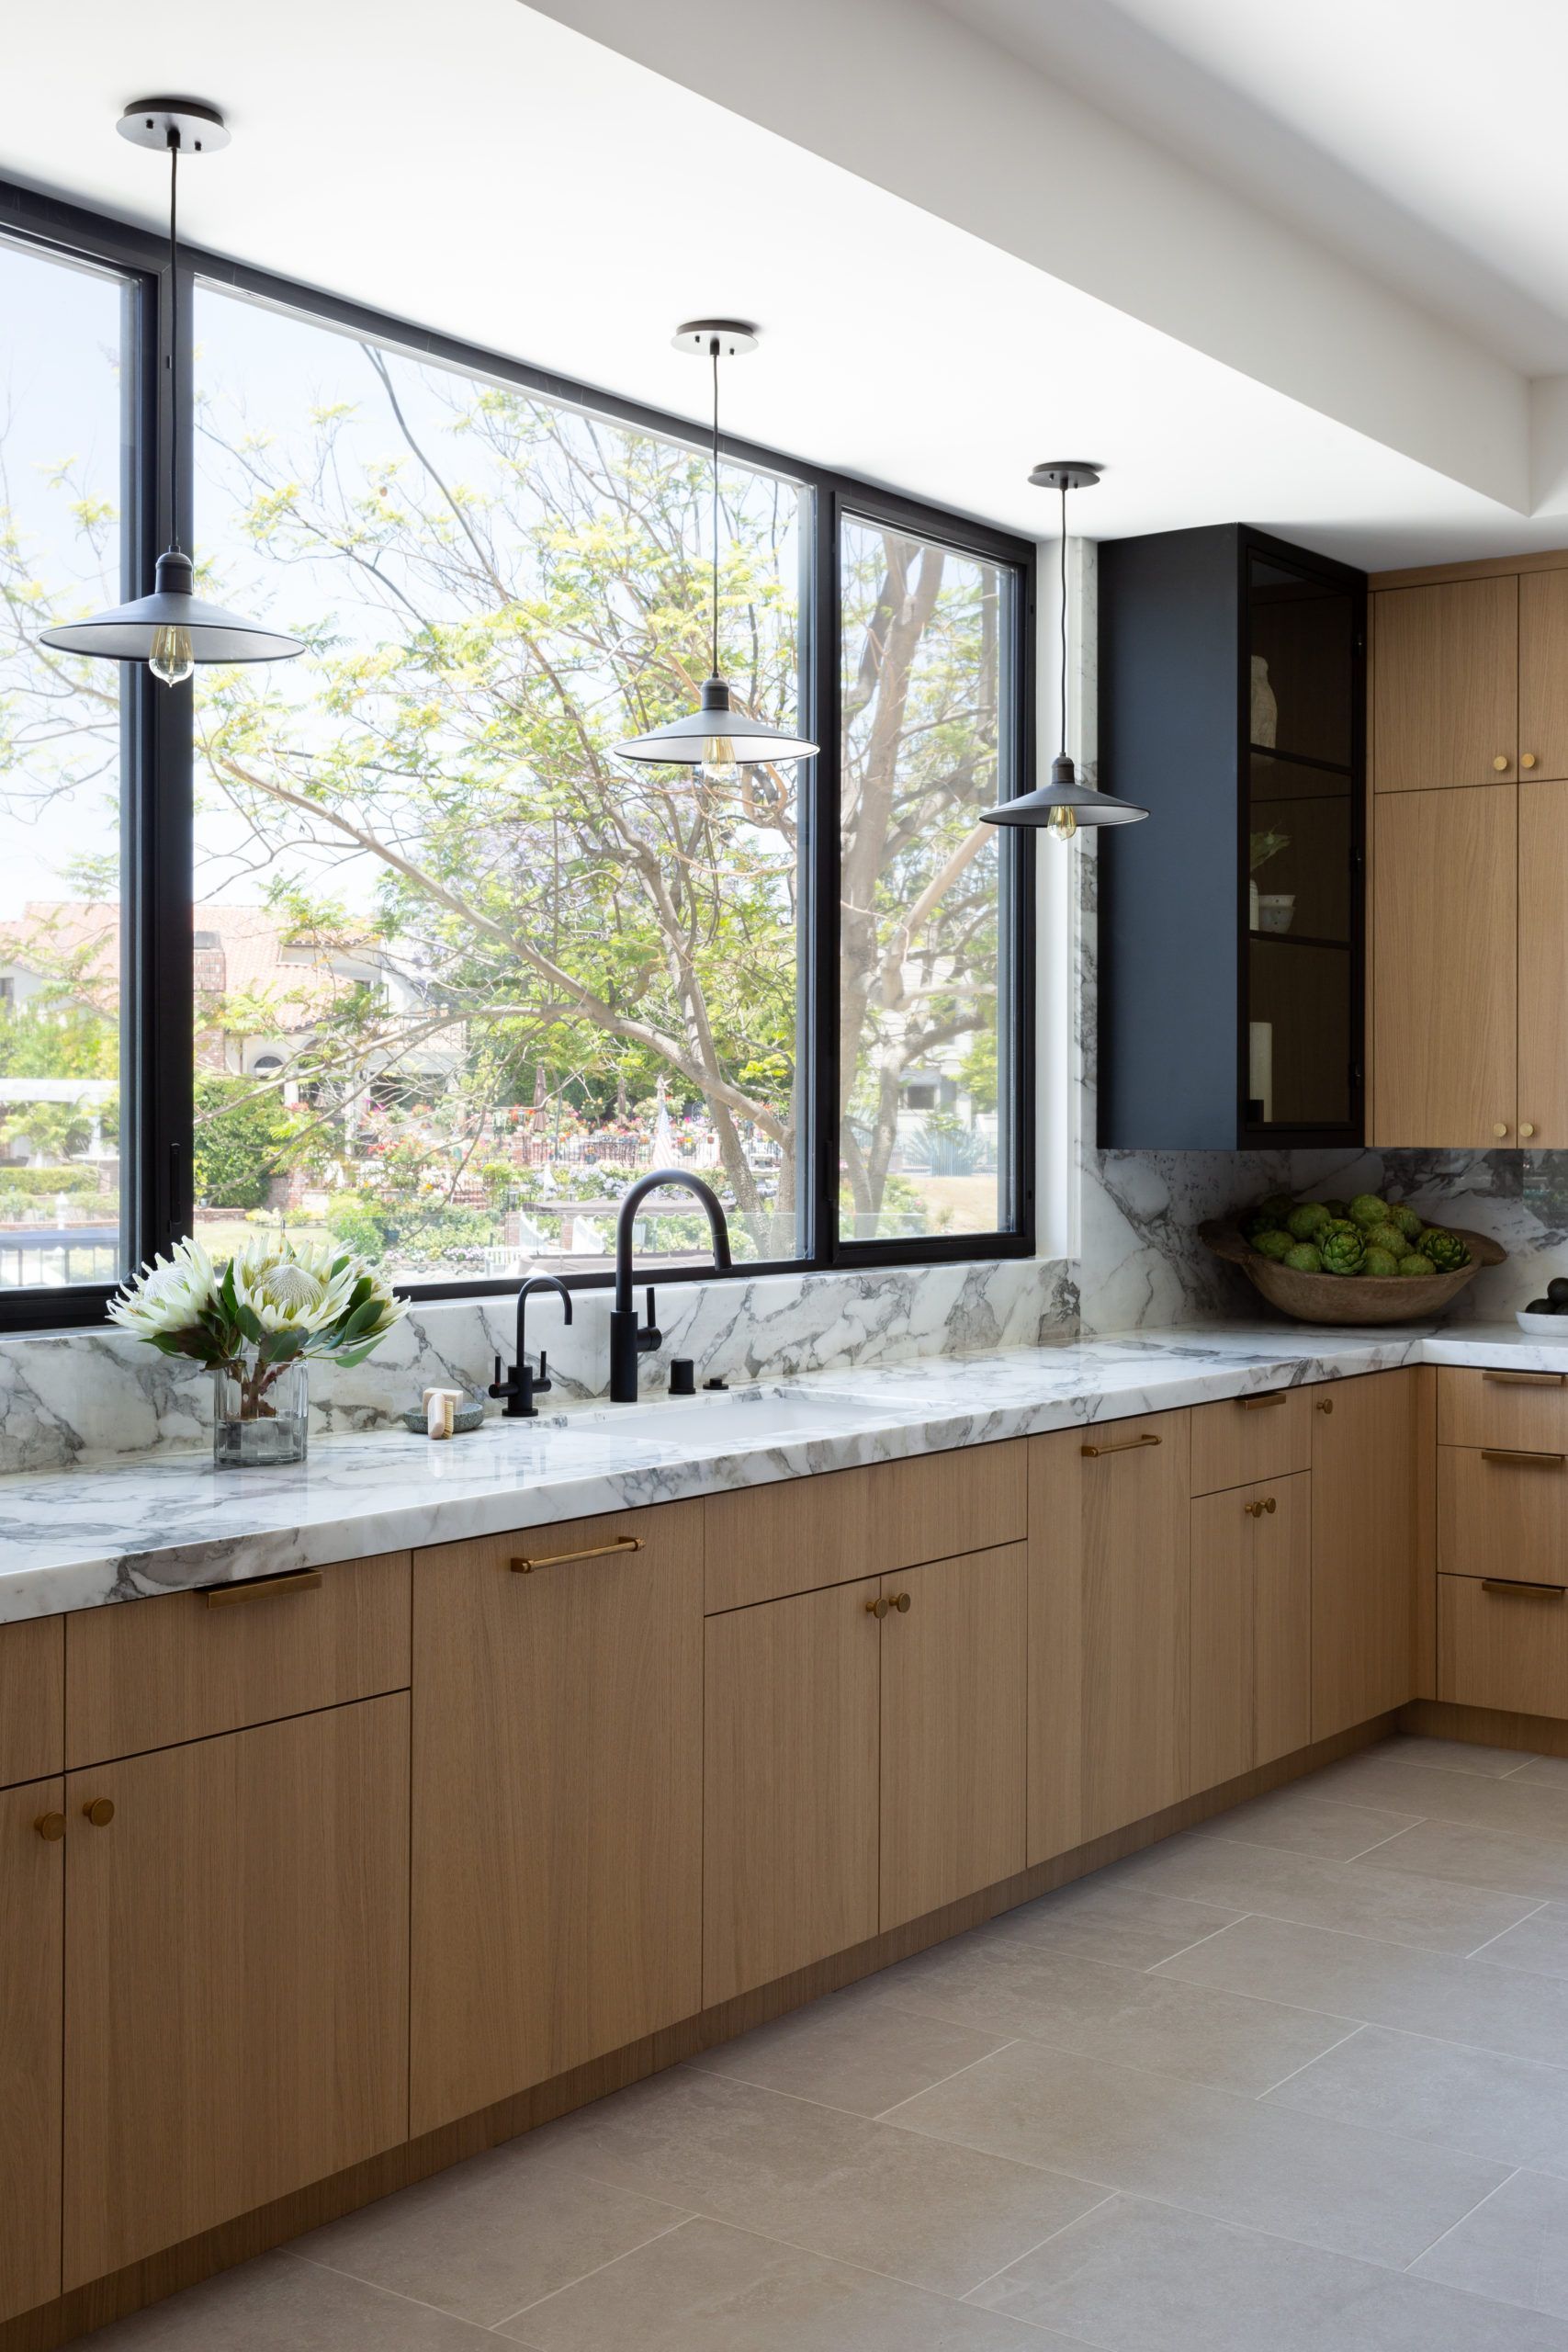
column 626, row 1340
column 523, row 1384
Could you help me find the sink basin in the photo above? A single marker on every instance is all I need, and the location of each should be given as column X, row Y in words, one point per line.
column 744, row 1418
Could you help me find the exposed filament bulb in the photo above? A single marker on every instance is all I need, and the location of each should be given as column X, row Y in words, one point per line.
column 171, row 658
column 1064, row 823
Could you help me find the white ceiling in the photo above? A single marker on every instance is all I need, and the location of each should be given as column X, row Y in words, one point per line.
column 517, row 184
column 1422, row 138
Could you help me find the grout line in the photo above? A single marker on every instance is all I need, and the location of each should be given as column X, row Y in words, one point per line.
column 1270, row 2089
column 1463, row 2219
column 1377, row 1843
column 1513, row 1772
column 1012, row 2042
column 1110, row 2198
column 668, row 2231
column 1540, row 1907
column 1182, row 1949
column 356, row 2278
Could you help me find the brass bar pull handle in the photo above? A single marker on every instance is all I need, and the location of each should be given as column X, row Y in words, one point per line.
column 524, row 1566
column 879, row 1607
column 1257, row 1404
column 225, row 1596
column 1516, row 1584
column 1541, row 1460
column 1255, row 1511
column 1528, row 1379
column 1124, row 1446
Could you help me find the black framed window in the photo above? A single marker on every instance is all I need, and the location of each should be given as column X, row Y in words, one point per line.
column 403, row 953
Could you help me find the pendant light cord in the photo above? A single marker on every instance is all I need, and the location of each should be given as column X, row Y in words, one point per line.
column 713, row 348
column 174, row 335
column 1064, row 620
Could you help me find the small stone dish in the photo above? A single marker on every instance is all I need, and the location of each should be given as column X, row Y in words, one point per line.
column 1542, row 1327
column 464, row 1418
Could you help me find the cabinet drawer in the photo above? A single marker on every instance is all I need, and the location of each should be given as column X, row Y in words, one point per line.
column 1502, row 1514
column 151, row 1673
column 1526, row 1409
column 1503, row 1646
column 32, row 1698
column 764, row 1542
column 1245, row 1438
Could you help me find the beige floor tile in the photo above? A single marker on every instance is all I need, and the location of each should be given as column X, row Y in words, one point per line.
column 1544, row 1772
column 861, row 2050
column 1539, row 1943
column 1513, row 1861
column 713, row 2288
column 1351, row 1976
column 1303, row 1823
column 1453, row 1756
column 279, row 2304
column 1384, row 1782
column 1132, row 2019
column 1326, row 2184
column 1357, row 1898
column 939, row 2217
column 1133, row 1927
column 1142, row 2277
column 1514, row 2247
column 1513, row 2111
column 491, row 2234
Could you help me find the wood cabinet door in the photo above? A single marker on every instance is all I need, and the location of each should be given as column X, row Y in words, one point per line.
column 1543, row 673
column 1445, row 684
column 1543, row 960
column 1251, row 1673
column 1282, row 1621
column 790, row 1819
column 558, row 1738
column 1223, row 1622
column 1119, row 1529
column 1364, row 1549
column 236, row 1976
column 1444, row 985
column 33, row 1910
column 952, row 1729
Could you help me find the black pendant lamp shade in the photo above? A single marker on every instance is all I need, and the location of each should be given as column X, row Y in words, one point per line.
column 1064, row 804
column 715, row 737
column 173, row 629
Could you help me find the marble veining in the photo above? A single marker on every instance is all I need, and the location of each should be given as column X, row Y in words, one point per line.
column 121, row 1530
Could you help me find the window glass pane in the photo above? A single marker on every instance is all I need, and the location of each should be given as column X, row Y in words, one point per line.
column 61, row 464
column 460, row 973
column 919, row 936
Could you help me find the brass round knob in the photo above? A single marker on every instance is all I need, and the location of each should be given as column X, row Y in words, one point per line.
column 50, row 1825
column 1501, row 761
column 1526, row 759
column 100, row 1811
column 902, row 1603
column 1499, row 1130
column 1326, row 1404
column 878, row 1608
column 1526, row 1129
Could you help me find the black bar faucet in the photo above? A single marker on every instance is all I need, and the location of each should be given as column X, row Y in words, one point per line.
column 523, row 1384
column 626, row 1341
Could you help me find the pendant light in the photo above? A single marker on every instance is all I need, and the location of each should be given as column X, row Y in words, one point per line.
column 173, row 629
column 715, row 738
column 1064, row 804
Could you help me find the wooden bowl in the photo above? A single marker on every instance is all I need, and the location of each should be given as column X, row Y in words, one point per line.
column 1358, row 1298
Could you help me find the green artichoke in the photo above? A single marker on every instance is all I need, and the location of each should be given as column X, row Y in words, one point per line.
column 1387, row 1237
column 1272, row 1243
column 1306, row 1222
column 1338, row 1209
column 1414, row 1264
column 1409, row 1223
column 1379, row 1262
column 1276, row 1207
column 1446, row 1250
column 1303, row 1258
column 1368, row 1209
column 1342, row 1253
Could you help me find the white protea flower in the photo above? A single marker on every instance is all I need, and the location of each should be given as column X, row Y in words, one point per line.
column 169, row 1296
column 290, row 1286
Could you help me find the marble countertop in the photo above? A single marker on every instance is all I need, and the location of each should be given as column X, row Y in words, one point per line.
column 121, row 1529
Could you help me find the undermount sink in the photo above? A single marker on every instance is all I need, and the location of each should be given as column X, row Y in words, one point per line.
column 745, row 1417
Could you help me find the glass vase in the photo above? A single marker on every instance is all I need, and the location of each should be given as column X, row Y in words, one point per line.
column 260, row 1413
